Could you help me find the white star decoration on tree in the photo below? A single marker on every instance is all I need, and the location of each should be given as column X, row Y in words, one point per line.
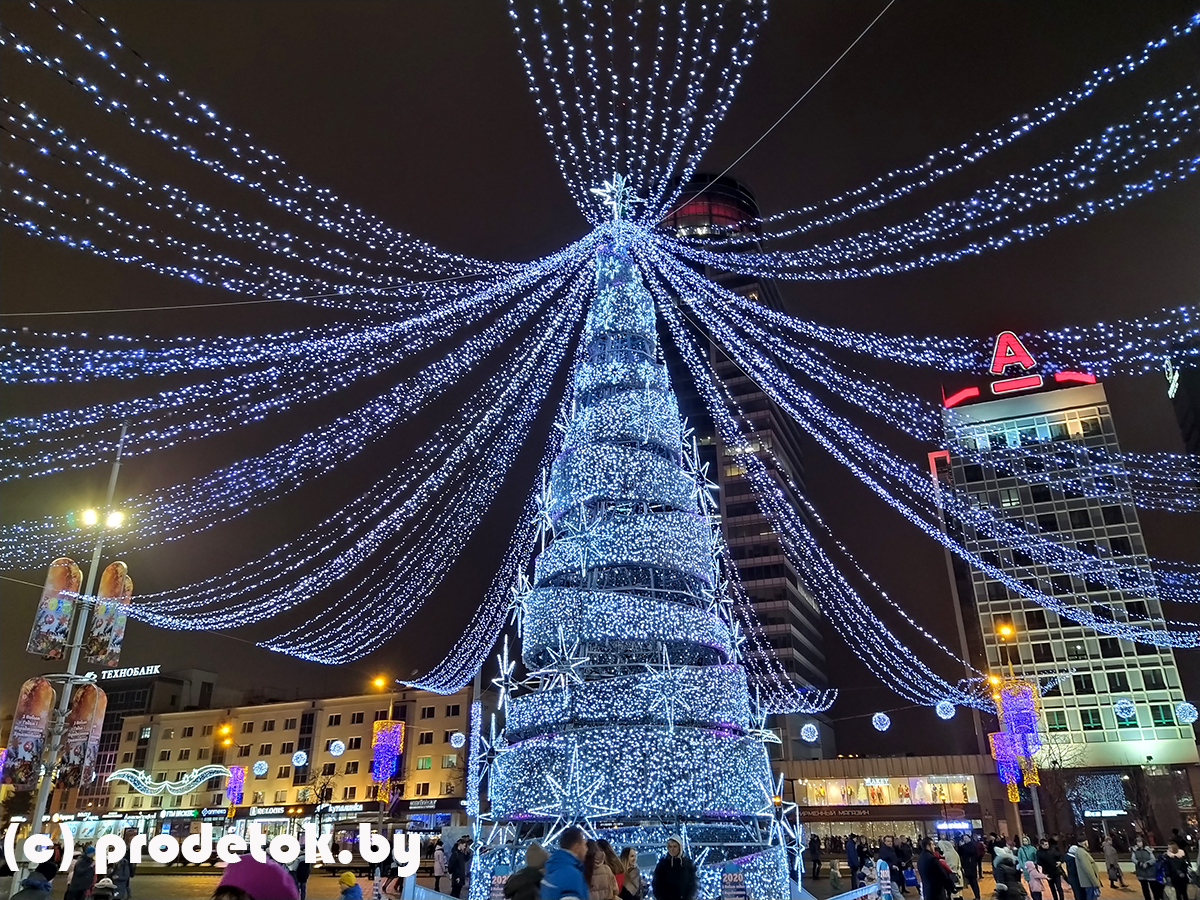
column 563, row 666
column 573, row 803
column 758, row 722
column 666, row 690
column 781, row 829
column 618, row 196
column 516, row 606
column 505, row 682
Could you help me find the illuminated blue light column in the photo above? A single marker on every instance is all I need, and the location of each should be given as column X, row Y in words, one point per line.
column 634, row 720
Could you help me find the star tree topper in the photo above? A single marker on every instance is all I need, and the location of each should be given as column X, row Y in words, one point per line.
column 619, row 197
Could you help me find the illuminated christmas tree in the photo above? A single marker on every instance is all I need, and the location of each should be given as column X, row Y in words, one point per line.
column 634, row 720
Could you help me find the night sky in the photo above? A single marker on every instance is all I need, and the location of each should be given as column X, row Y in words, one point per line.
column 419, row 112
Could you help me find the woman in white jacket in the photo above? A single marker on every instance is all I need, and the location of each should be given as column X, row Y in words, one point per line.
column 439, row 865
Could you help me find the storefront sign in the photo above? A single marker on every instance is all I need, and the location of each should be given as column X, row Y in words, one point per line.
column 136, row 672
column 266, row 811
column 960, row 825
column 178, row 813
column 440, row 804
column 876, row 782
column 216, row 812
column 890, row 813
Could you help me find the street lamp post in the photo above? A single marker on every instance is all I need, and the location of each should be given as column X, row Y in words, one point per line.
column 110, row 518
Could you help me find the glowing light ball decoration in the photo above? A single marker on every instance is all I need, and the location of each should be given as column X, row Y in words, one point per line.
column 945, row 709
column 387, row 743
column 458, row 740
column 1186, row 713
column 622, row 631
column 260, row 768
column 336, row 748
column 809, row 732
column 300, row 759
column 1124, row 708
column 881, row 721
column 235, row 788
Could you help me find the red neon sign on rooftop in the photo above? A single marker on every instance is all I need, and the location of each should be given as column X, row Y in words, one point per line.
column 1009, row 353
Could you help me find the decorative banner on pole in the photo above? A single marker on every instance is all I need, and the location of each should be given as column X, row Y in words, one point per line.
column 52, row 624
column 31, row 722
column 77, row 732
column 103, row 643
column 93, row 747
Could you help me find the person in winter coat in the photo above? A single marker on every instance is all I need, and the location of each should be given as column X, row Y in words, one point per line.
column 1082, row 872
column 1175, row 862
column 83, row 873
column 249, row 878
column 439, row 865
column 1145, row 869
column 936, row 883
column 121, row 871
column 602, row 881
column 1112, row 863
column 351, row 889
column 1009, row 884
column 968, row 853
column 1025, row 853
column 564, row 869
column 887, row 854
column 35, row 887
column 814, row 855
column 300, row 875
column 104, row 889
column 633, row 887
column 1049, row 860
column 527, row 883
column 675, row 874
column 459, row 866
column 1035, row 878
column 853, row 862
column 614, row 862
column 953, row 861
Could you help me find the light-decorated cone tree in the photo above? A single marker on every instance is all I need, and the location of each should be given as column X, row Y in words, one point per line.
column 634, row 720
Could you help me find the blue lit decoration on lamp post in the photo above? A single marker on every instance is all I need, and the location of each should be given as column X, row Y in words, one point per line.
column 387, row 745
column 1014, row 746
column 634, row 720
column 236, row 786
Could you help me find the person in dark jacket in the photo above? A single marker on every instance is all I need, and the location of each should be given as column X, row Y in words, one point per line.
column 527, row 884
column 1009, row 884
column 852, row 860
column 83, row 876
column 1175, row 862
column 1049, row 859
column 814, row 855
column 459, row 866
column 968, row 854
column 564, row 868
column 936, row 883
column 887, row 854
column 675, row 874
column 35, row 887
column 300, row 873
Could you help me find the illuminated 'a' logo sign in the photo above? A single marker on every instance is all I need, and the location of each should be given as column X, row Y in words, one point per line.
column 1010, row 353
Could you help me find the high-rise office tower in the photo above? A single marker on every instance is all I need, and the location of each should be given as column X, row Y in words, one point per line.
column 1040, row 447
column 1183, row 390
column 789, row 615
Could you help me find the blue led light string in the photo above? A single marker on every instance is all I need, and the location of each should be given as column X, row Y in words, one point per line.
column 950, row 160
column 867, row 637
column 1168, row 127
column 846, row 443
column 1158, row 481
column 319, row 206
column 181, row 510
column 402, row 500
column 116, row 181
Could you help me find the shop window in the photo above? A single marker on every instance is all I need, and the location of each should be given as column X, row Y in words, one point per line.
column 1162, row 714
column 1089, row 719
column 1056, row 720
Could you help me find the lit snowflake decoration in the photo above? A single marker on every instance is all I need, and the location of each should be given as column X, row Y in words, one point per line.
column 781, row 830
column 809, row 732
column 505, row 683
column 573, row 804
column 1186, row 713
column 336, row 748
column 300, row 759
column 666, row 691
column 260, row 768
column 458, row 740
column 945, row 709
column 881, row 721
column 1124, row 708
column 563, row 666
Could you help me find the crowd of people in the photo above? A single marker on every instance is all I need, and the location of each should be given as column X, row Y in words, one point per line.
column 945, row 869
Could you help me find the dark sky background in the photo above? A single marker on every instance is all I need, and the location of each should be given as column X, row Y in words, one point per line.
column 419, row 112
